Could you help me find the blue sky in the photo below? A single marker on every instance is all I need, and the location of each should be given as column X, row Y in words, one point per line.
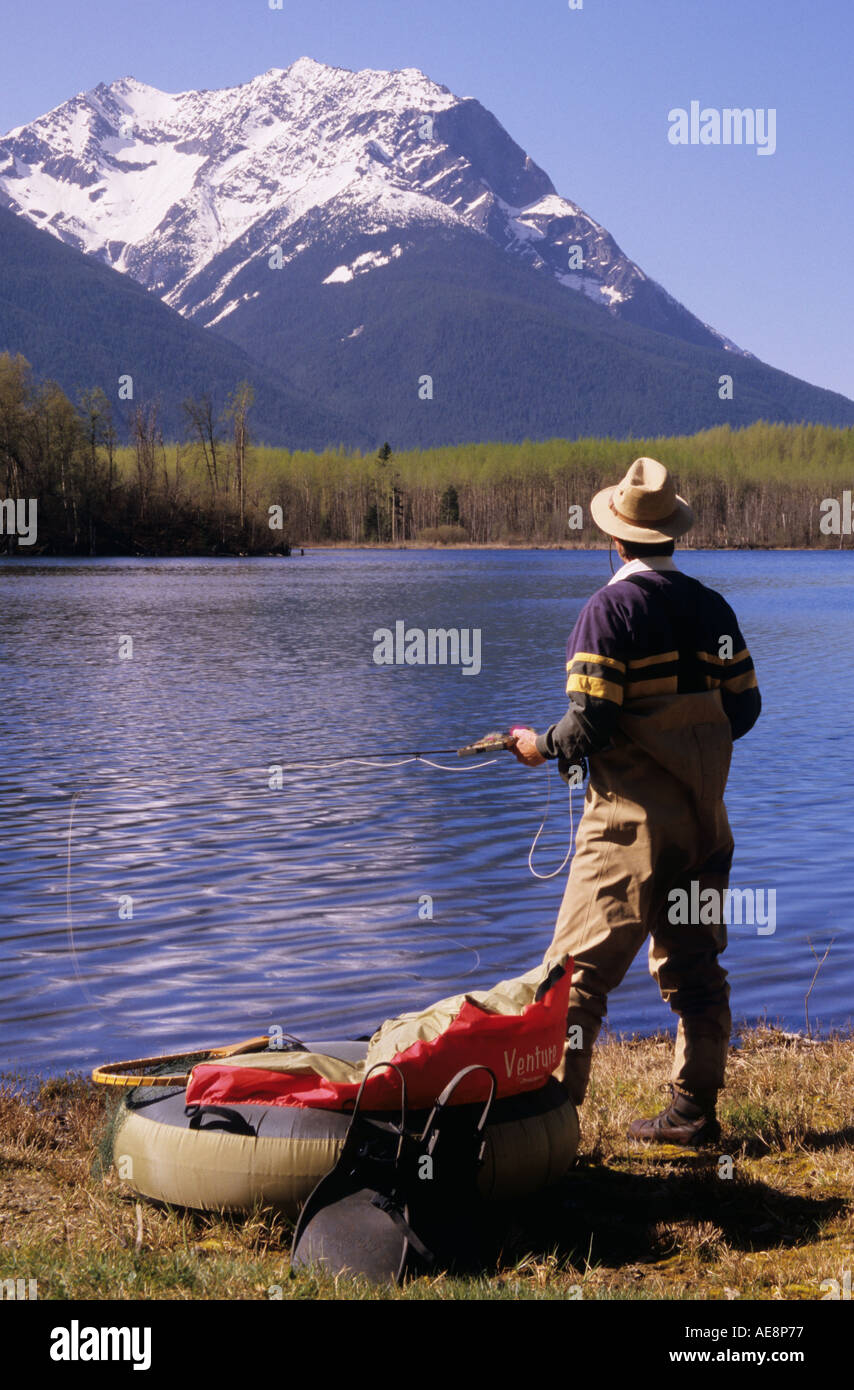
column 758, row 246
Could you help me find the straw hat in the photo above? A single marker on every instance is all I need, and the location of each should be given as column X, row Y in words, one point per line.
column 643, row 507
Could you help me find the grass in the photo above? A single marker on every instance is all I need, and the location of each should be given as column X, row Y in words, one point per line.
column 629, row 1222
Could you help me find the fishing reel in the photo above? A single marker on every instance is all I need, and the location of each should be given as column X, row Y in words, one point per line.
column 490, row 743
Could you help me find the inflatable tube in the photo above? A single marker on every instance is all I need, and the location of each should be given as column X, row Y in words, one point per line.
column 234, row 1157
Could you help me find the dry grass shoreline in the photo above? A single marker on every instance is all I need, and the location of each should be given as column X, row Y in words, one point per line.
column 769, row 1214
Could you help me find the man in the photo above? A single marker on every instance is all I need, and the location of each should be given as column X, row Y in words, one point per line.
column 660, row 683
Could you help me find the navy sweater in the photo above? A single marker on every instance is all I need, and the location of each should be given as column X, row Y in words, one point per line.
column 652, row 633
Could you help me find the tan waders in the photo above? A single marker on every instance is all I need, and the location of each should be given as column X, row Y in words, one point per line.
column 654, row 821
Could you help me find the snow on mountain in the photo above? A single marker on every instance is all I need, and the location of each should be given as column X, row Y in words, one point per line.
column 161, row 186
column 156, row 184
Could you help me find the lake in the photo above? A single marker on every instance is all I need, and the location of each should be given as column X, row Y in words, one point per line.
column 207, row 905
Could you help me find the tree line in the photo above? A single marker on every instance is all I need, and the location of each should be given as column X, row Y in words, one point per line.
column 99, row 495
column 214, row 491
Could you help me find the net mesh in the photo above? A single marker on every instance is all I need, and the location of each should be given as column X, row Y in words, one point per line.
column 119, row 1100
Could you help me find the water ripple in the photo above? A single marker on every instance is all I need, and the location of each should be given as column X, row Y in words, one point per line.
column 305, row 905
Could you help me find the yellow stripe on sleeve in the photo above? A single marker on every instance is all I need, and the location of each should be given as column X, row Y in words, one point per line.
column 597, row 660
column 595, row 685
column 746, row 681
column 723, row 660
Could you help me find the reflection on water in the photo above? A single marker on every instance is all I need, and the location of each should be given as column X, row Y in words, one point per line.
column 308, row 906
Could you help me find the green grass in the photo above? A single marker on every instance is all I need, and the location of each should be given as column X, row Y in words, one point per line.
column 629, row 1222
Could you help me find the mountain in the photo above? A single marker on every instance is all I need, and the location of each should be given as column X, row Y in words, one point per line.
column 159, row 185
column 82, row 324
column 358, row 232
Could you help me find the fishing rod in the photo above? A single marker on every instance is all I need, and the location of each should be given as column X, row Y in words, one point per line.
column 162, row 777
column 490, row 743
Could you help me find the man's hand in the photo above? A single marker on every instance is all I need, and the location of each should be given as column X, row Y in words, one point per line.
column 525, row 747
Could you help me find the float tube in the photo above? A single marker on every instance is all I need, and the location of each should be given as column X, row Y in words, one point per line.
column 234, row 1157
column 263, row 1127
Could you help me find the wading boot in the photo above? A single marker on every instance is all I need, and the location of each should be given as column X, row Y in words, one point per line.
column 688, row 1120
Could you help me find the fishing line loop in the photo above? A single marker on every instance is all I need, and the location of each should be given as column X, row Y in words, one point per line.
column 416, row 758
column 568, row 855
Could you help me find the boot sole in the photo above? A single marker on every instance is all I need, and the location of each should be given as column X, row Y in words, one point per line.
column 700, row 1141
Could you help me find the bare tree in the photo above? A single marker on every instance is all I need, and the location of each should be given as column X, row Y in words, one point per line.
column 147, row 438
column 203, row 426
column 237, row 411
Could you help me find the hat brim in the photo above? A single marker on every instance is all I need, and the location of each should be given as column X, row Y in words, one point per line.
column 681, row 521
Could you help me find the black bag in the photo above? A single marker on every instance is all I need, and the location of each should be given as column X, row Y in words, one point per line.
column 399, row 1202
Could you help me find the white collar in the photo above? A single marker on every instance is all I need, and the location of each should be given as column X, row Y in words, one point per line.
column 655, row 562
